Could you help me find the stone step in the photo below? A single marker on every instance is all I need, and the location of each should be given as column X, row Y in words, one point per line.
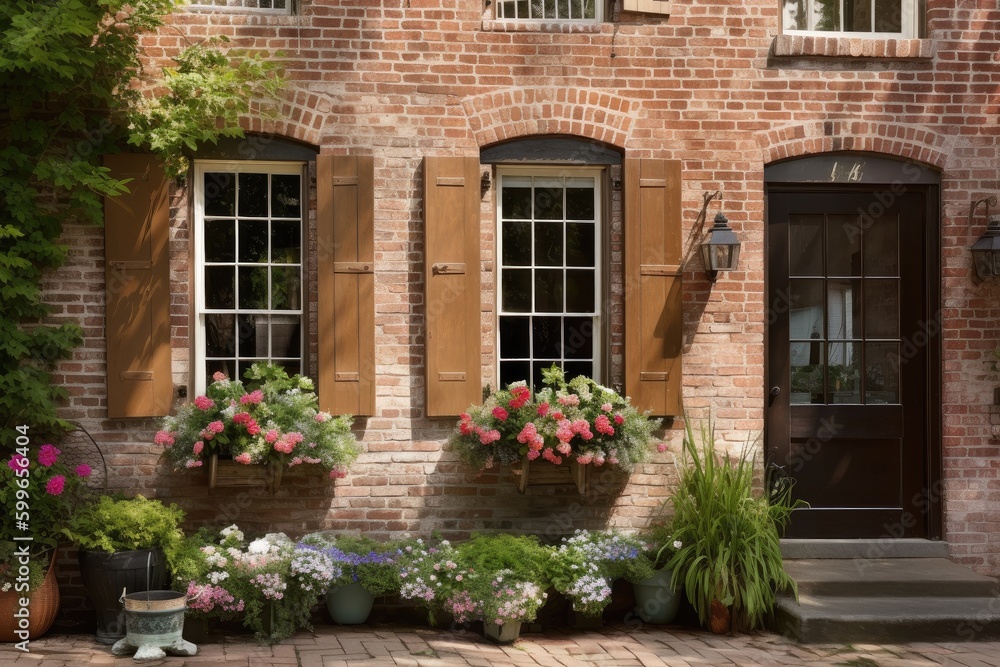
column 846, row 619
column 889, row 577
column 864, row 548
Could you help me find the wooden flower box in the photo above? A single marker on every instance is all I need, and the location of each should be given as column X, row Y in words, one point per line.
column 226, row 473
column 544, row 473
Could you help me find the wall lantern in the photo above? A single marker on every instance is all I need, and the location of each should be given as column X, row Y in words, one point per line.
column 986, row 250
column 721, row 251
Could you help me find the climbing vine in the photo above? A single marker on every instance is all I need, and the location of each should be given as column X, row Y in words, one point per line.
column 67, row 97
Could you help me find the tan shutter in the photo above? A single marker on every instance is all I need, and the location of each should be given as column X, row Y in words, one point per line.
column 345, row 262
column 452, row 279
column 137, row 283
column 653, row 309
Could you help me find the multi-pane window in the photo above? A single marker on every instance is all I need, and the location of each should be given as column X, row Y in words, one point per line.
column 280, row 6
column 873, row 17
column 549, row 274
column 249, row 282
column 549, row 10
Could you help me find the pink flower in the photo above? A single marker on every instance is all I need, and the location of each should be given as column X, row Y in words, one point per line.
column 271, row 435
column 533, row 454
column 618, row 418
column 216, row 427
column 218, row 376
column 241, row 418
column 661, row 447
column 284, row 445
column 520, row 397
column 543, row 409
column 191, row 463
column 558, row 416
column 603, row 425
column 322, row 417
column 585, row 458
column 243, row 458
column 606, row 407
column 48, row 455
column 486, row 437
column 549, row 455
column 204, row 403
column 197, row 447
column 252, row 427
column 253, row 397
column 338, row 473
column 54, row 486
column 465, row 426
column 564, row 448
column 18, row 462
column 500, row 413
column 571, row 399
column 83, row 470
column 164, row 438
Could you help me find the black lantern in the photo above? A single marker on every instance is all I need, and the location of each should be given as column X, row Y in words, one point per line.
column 721, row 251
column 986, row 251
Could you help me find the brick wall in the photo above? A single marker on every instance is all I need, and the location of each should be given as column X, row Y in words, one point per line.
column 712, row 87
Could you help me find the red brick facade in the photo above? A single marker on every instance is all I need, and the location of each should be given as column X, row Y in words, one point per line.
column 715, row 86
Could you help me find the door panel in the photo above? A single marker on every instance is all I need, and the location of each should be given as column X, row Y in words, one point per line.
column 848, row 392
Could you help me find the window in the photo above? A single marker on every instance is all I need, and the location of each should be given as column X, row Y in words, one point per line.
column 549, row 10
column 881, row 18
column 249, row 258
column 549, row 274
column 277, row 6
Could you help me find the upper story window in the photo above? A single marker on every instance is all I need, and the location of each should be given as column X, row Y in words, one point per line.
column 276, row 6
column 862, row 18
column 550, row 282
column 549, row 10
column 249, row 263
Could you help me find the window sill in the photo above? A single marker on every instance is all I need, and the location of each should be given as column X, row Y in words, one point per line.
column 791, row 46
column 591, row 27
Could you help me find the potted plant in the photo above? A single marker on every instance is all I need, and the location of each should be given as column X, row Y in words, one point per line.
column 125, row 544
column 273, row 420
column 657, row 595
column 578, row 423
column 38, row 492
column 268, row 582
column 729, row 558
column 584, row 566
column 367, row 571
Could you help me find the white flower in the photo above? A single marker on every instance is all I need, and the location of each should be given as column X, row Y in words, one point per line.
column 678, row 544
column 259, row 546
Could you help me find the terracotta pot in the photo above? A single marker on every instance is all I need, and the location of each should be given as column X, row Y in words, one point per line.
column 719, row 618
column 43, row 606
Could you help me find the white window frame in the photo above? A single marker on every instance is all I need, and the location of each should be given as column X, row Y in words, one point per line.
column 208, row 6
column 555, row 171
column 909, row 24
column 598, row 14
column 198, row 231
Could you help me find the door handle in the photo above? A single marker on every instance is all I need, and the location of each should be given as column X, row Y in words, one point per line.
column 775, row 391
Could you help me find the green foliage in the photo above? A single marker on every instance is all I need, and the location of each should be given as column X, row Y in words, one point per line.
column 203, row 99
column 66, row 98
column 730, row 549
column 113, row 525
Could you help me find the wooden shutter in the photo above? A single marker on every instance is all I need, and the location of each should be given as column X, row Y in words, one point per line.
column 451, row 268
column 345, row 259
column 654, row 316
column 137, row 284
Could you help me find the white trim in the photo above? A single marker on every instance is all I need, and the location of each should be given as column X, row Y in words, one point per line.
column 563, row 173
column 909, row 25
column 197, row 269
column 207, row 6
column 598, row 14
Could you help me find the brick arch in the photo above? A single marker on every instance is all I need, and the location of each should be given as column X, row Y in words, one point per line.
column 904, row 141
column 520, row 112
column 301, row 117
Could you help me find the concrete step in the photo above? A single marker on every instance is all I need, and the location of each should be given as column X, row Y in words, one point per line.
column 894, row 620
column 863, row 548
column 889, row 577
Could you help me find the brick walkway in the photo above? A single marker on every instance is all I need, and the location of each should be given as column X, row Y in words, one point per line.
column 616, row 646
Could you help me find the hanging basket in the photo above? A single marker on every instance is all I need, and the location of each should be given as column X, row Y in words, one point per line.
column 42, row 607
column 227, row 473
column 544, row 473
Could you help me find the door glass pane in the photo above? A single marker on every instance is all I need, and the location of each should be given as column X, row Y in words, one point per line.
column 805, row 296
column 843, row 245
column 881, row 308
column 548, row 244
column 516, row 243
column 882, row 363
column 882, row 246
column 843, row 308
column 807, row 372
column 805, row 245
column 843, row 375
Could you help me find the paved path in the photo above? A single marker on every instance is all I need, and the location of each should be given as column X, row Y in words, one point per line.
column 616, row 646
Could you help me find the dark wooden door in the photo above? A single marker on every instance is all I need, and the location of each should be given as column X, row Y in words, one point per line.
column 847, row 365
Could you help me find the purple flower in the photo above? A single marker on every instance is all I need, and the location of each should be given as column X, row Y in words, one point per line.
column 83, row 470
column 17, row 462
column 54, row 487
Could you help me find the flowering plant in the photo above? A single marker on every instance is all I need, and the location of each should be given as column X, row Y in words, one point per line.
column 227, row 575
column 38, row 492
column 360, row 559
column 585, row 565
column 577, row 420
column 275, row 418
